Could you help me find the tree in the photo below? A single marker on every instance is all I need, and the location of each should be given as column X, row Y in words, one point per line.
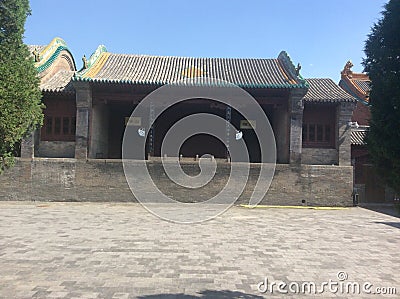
column 20, row 96
column 382, row 64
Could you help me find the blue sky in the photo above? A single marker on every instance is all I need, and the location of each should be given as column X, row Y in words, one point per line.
column 321, row 35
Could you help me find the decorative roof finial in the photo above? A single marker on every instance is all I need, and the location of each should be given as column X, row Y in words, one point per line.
column 347, row 69
column 298, row 68
column 85, row 62
column 36, row 55
column 367, row 94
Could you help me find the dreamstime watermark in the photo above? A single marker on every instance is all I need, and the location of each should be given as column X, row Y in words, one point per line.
column 138, row 132
column 341, row 285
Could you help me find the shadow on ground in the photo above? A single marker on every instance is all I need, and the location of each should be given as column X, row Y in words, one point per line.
column 207, row 294
column 384, row 209
column 393, row 224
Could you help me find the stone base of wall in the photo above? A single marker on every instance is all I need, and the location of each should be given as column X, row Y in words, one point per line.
column 319, row 156
column 56, row 149
column 104, row 181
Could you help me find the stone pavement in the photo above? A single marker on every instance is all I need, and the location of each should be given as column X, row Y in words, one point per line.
column 103, row 250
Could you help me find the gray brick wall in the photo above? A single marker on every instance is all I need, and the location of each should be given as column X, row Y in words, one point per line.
column 104, row 180
column 56, row 149
column 319, row 156
column 345, row 111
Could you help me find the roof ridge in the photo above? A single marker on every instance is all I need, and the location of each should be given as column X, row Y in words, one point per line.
column 319, row 78
column 189, row 57
column 95, row 57
column 289, row 67
column 361, row 76
column 50, row 49
column 49, row 53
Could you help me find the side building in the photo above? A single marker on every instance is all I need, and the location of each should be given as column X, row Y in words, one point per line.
column 56, row 67
column 368, row 187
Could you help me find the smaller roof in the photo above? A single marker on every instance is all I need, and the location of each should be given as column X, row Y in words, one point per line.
column 358, row 136
column 326, row 90
column 356, row 84
column 363, row 85
column 46, row 56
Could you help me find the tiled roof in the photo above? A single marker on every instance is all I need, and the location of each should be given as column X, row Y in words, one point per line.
column 160, row 70
column 60, row 82
column 358, row 136
column 48, row 54
column 357, row 88
column 356, row 84
column 363, row 85
column 326, row 90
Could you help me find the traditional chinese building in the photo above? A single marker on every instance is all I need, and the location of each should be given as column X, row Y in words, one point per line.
column 367, row 183
column 56, row 67
column 87, row 111
column 357, row 84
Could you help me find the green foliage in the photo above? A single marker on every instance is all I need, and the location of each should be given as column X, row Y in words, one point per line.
column 382, row 64
column 20, row 97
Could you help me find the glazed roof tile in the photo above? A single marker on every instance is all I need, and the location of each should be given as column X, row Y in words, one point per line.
column 326, row 90
column 363, row 85
column 356, row 84
column 60, row 82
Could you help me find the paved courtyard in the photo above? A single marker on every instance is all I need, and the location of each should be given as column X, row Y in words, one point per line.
column 96, row 250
